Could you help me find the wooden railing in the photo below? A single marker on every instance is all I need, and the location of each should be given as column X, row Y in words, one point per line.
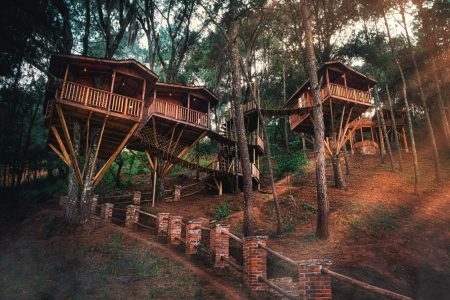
column 349, row 93
column 101, row 99
column 178, row 112
column 233, row 167
column 255, row 139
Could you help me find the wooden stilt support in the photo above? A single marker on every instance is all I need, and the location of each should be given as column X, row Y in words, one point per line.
column 405, row 140
column 69, row 143
column 154, row 183
column 105, row 167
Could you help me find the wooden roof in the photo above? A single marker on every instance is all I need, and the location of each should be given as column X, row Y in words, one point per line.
column 201, row 91
column 99, row 63
column 354, row 77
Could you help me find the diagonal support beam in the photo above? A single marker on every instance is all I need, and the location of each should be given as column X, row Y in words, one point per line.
column 60, row 143
column 91, row 171
column 67, row 162
column 106, row 166
column 69, row 143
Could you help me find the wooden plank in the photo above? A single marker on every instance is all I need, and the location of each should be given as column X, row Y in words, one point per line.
column 100, row 139
column 69, row 143
column 60, row 143
column 105, row 167
column 59, row 154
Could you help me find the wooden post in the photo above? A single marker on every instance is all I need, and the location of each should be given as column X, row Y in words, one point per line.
column 154, row 183
column 144, row 86
column 189, row 102
column 66, row 73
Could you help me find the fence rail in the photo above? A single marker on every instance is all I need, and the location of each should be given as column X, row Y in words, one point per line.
column 276, row 288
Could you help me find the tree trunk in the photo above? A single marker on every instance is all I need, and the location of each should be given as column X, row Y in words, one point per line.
column 440, row 100
column 286, row 118
column 80, row 197
column 339, row 181
column 380, row 137
column 319, row 132
column 394, row 129
column 240, row 125
column 119, row 170
column 383, row 128
column 87, row 27
column 347, row 164
column 407, row 108
column 423, row 100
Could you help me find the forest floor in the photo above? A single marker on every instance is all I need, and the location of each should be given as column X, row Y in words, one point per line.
column 380, row 231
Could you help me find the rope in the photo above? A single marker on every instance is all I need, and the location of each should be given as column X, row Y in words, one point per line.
column 180, row 239
column 123, row 221
column 276, row 288
column 119, row 209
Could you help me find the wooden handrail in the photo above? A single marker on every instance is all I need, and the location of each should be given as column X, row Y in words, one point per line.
column 279, row 255
column 101, row 99
column 364, row 285
column 276, row 288
column 178, row 112
column 350, row 93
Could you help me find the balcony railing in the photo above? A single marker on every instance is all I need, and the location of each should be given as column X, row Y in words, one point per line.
column 234, row 167
column 100, row 99
column 178, row 112
column 349, row 93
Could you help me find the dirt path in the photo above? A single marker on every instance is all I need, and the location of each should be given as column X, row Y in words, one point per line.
column 223, row 287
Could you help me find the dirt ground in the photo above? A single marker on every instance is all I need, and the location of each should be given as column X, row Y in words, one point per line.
column 380, row 231
column 42, row 259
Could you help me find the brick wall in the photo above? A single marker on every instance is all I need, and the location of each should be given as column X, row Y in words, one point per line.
column 312, row 283
column 255, row 262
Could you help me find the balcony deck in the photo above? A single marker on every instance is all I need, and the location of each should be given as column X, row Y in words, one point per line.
column 179, row 113
column 96, row 100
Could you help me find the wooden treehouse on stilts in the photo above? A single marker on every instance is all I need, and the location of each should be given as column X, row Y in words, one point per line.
column 116, row 104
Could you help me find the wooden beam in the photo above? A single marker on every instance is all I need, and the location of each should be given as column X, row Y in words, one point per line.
column 86, row 158
column 60, row 143
column 105, row 167
column 69, row 143
column 154, row 184
column 149, row 158
column 100, row 139
column 59, row 154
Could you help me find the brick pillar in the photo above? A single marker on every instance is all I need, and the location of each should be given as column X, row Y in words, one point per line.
column 219, row 245
column 255, row 262
column 174, row 230
column 162, row 222
column 94, row 204
column 312, row 283
column 177, row 193
column 107, row 210
column 132, row 216
column 63, row 200
column 137, row 198
column 193, row 236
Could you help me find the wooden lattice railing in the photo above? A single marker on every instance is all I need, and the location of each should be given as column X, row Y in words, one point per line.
column 178, row 112
column 349, row 93
column 101, row 99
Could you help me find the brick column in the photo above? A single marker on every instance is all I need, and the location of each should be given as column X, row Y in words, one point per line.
column 312, row 283
column 137, row 198
column 193, row 236
column 94, row 204
column 107, row 210
column 177, row 193
column 219, row 245
column 174, row 230
column 132, row 216
column 255, row 262
column 162, row 222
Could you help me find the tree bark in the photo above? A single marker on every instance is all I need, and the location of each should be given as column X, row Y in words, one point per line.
column 339, row 181
column 383, row 128
column 240, row 125
column 347, row 164
column 87, row 27
column 440, row 101
column 407, row 108
column 319, row 132
column 423, row 100
column 394, row 129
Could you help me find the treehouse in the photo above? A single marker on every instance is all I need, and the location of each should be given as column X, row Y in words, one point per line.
column 345, row 95
column 89, row 93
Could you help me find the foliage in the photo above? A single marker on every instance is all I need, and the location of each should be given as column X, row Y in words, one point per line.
column 292, row 162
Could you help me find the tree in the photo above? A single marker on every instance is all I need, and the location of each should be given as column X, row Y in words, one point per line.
column 319, row 131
